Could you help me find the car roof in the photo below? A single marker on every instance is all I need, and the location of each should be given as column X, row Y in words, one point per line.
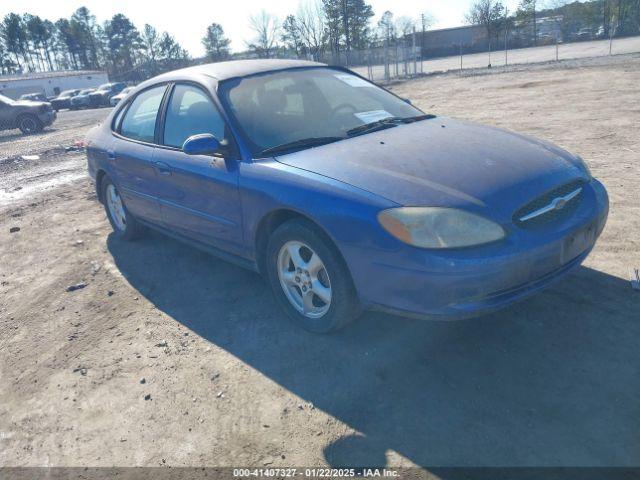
column 235, row 68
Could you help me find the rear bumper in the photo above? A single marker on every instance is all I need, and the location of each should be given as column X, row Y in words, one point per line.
column 471, row 282
column 79, row 103
column 60, row 104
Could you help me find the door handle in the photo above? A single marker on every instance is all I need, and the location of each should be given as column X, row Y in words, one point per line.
column 163, row 168
column 111, row 154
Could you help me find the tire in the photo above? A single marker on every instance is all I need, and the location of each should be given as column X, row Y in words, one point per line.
column 332, row 280
column 29, row 124
column 124, row 225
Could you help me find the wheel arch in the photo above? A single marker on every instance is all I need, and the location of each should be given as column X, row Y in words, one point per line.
column 272, row 220
column 22, row 115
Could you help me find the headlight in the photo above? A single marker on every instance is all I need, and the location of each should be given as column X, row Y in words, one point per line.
column 439, row 227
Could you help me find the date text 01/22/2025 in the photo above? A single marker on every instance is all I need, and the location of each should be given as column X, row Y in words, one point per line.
column 314, row 472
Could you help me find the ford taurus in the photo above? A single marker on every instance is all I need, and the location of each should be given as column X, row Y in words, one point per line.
column 343, row 195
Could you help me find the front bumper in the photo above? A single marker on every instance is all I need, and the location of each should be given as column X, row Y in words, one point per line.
column 470, row 282
column 47, row 118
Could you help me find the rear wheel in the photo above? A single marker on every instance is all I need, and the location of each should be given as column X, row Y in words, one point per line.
column 29, row 124
column 123, row 223
column 309, row 278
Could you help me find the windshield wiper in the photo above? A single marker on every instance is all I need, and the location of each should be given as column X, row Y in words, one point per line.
column 417, row 118
column 387, row 122
column 300, row 144
column 374, row 126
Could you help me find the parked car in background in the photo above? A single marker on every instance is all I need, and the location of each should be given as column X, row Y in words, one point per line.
column 27, row 115
column 101, row 97
column 63, row 100
column 343, row 195
column 583, row 34
column 35, row 97
column 82, row 100
column 546, row 39
column 117, row 98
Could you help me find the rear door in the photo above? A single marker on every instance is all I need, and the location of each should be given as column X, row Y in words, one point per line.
column 131, row 154
column 199, row 196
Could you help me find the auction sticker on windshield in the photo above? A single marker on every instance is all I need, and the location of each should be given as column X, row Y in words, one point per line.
column 372, row 115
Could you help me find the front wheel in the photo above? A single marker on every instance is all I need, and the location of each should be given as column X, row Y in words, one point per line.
column 309, row 278
column 123, row 223
column 29, row 124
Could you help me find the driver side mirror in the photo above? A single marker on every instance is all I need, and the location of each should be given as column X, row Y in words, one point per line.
column 201, row 144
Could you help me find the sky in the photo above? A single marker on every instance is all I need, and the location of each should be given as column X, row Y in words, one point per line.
column 187, row 20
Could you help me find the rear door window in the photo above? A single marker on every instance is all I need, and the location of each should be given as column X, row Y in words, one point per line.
column 139, row 121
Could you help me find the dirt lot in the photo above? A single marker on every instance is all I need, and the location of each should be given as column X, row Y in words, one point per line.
column 42, row 162
column 552, row 381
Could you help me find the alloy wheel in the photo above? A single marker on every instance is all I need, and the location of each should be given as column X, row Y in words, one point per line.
column 116, row 208
column 304, row 279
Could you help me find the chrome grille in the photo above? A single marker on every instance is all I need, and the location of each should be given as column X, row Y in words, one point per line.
column 546, row 199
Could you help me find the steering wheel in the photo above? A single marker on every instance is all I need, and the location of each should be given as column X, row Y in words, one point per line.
column 339, row 112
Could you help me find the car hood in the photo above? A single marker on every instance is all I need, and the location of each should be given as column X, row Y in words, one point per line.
column 29, row 103
column 445, row 162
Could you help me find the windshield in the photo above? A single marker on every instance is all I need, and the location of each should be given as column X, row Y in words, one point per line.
column 288, row 106
column 6, row 100
column 84, row 92
column 106, row 86
column 67, row 93
column 126, row 90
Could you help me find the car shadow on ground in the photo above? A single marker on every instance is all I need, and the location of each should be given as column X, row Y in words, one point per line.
column 554, row 380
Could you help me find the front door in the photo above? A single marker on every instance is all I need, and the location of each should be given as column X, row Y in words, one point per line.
column 199, row 194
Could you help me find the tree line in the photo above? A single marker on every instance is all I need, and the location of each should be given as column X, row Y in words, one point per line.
column 29, row 43
column 327, row 30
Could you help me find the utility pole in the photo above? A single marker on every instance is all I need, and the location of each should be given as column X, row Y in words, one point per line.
column 423, row 21
column 386, row 56
column 535, row 26
column 506, row 33
column 610, row 38
column 345, row 22
column 415, row 60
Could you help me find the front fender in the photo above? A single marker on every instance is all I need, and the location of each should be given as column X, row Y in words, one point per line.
column 345, row 213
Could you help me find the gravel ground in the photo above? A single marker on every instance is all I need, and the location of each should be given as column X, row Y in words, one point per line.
column 169, row 357
column 71, row 125
column 33, row 163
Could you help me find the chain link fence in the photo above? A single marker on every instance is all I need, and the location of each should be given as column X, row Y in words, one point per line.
column 402, row 60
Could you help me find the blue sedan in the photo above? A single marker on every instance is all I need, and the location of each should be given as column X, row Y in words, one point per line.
column 344, row 196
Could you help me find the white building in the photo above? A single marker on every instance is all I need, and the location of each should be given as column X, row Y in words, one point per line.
column 50, row 83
